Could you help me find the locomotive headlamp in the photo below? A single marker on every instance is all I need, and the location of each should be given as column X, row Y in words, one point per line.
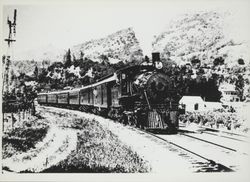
column 158, row 65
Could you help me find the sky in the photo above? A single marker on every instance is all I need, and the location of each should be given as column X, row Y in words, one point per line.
column 62, row 25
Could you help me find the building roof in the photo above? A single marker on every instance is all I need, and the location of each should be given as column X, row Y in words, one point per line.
column 191, row 99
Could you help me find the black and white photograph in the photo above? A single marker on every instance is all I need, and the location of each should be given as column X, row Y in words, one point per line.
column 157, row 90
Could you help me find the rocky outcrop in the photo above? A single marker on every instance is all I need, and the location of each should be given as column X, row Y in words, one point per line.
column 119, row 46
column 204, row 36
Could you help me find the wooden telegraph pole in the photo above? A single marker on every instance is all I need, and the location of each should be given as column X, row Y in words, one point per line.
column 9, row 40
column 7, row 59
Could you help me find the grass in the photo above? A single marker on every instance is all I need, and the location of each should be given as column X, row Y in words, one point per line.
column 98, row 151
column 22, row 138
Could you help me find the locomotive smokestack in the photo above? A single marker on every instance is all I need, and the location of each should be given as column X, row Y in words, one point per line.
column 155, row 57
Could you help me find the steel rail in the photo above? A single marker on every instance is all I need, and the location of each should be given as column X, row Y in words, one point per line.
column 230, row 133
column 212, row 162
column 224, row 136
column 206, row 141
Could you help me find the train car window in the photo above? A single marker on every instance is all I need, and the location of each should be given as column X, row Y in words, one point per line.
column 95, row 92
column 196, row 106
column 124, row 86
column 102, row 94
column 91, row 97
column 88, row 96
column 105, row 94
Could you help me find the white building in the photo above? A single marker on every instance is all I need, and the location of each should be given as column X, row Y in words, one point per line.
column 229, row 93
column 211, row 106
column 192, row 103
column 196, row 103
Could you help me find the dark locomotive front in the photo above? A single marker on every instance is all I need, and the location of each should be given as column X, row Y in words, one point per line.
column 147, row 94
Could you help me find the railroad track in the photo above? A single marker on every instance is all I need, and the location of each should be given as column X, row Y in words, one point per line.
column 217, row 132
column 231, row 135
column 214, row 163
column 241, row 139
column 209, row 142
column 212, row 130
column 233, row 140
column 236, row 143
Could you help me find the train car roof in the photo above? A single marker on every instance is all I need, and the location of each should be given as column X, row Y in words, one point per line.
column 109, row 79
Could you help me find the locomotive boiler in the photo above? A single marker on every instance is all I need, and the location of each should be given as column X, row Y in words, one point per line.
column 141, row 95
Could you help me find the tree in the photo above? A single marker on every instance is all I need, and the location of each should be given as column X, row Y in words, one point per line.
column 81, row 55
column 76, row 62
column 241, row 61
column 195, row 61
column 42, row 77
column 218, row 61
column 36, row 72
column 239, row 87
column 67, row 59
column 104, row 59
column 45, row 63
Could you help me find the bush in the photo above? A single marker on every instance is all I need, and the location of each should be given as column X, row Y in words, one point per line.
column 213, row 119
column 21, row 140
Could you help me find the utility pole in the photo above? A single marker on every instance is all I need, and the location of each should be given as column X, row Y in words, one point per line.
column 12, row 29
column 7, row 59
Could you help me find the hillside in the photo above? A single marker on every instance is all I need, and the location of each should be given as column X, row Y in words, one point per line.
column 205, row 36
column 119, row 46
column 26, row 66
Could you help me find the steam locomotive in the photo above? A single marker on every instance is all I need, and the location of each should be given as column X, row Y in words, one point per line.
column 140, row 95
